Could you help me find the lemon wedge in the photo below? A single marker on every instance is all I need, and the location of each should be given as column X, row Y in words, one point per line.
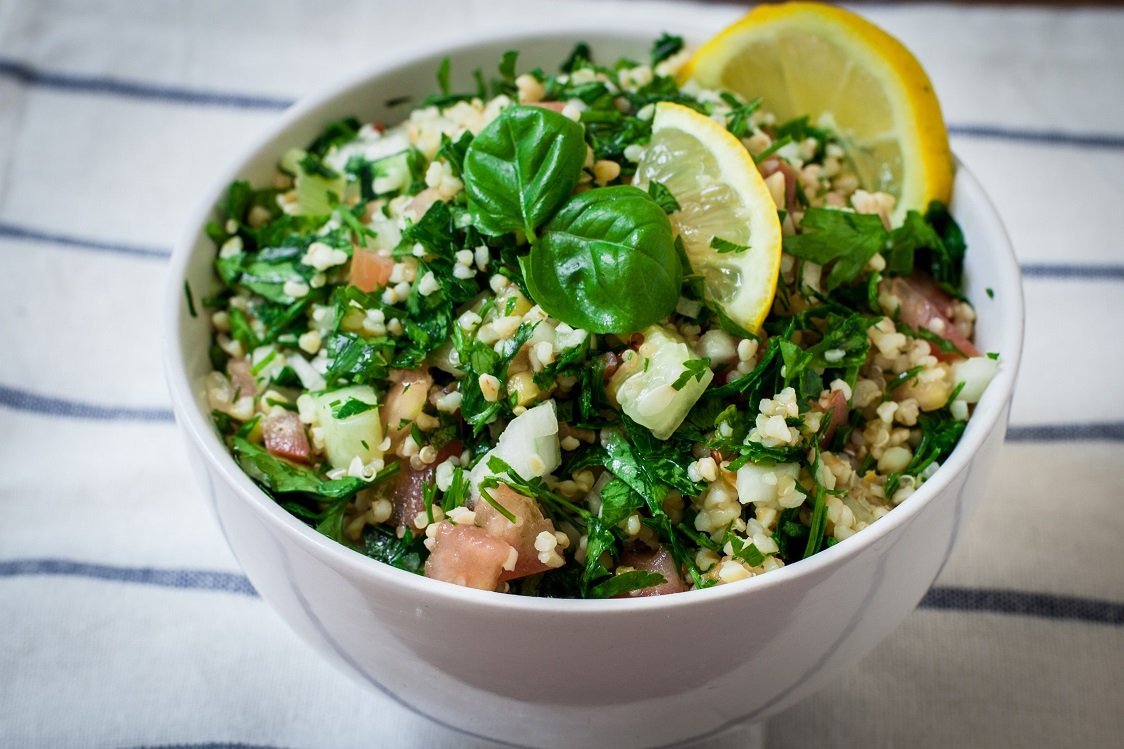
column 721, row 196
column 846, row 74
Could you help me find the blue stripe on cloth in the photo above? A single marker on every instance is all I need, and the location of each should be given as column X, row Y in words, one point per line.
column 207, row 745
column 12, row 231
column 1039, row 137
column 21, row 400
column 1105, row 431
column 29, row 75
column 940, row 597
column 1025, row 603
column 186, row 579
column 1071, row 271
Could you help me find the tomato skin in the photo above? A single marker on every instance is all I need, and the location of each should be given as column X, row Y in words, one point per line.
column 405, row 401
column 284, row 436
column 521, row 535
column 554, row 106
column 407, row 487
column 654, row 561
column 242, row 377
column 369, row 270
column 422, row 202
column 926, row 306
column 466, row 555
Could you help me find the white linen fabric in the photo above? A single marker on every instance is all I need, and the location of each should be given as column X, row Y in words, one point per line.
column 124, row 621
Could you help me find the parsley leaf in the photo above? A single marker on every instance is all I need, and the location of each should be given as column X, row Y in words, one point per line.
column 352, row 407
column 848, row 239
column 382, row 543
column 284, row 477
column 663, row 196
column 724, row 245
column 666, row 46
column 693, row 369
column 626, row 582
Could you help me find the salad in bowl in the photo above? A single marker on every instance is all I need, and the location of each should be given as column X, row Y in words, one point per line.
column 508, row 388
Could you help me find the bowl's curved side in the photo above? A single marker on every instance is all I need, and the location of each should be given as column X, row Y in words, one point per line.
column 563, row 673
column 646, row 680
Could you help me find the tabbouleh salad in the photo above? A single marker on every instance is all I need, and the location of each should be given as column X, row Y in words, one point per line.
column 472, row 345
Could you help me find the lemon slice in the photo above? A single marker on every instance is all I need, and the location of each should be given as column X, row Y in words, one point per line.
column 721, row 194
column 849, row 75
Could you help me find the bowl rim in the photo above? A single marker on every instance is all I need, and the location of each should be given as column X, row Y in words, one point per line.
column 203, row 437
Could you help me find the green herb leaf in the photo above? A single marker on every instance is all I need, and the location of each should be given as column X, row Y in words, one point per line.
column 507, row 64
column 281, row 476
column 382, row 543
column 334, row 134
column 945, row 263
column 693, row 369
column 443, row 69
column 664, row 47
column 521, row 168
column 618, row 501
column 357, row 359
column 352, row 407
column 579, row 55
column 723, row 245
column 663, row 196
column 848, row 239
column 606, row 262
column 626, row 582
column 190, row 299
column 454, row 151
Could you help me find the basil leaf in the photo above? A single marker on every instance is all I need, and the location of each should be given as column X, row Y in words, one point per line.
column 521, row 168
column 606, row 262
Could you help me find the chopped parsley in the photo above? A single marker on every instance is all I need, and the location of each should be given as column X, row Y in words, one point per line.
column 460, row 303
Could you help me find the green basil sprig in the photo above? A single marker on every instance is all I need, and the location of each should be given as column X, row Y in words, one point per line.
column 606, row 262
column 521, row 168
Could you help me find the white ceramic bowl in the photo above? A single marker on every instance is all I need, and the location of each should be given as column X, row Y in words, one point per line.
column 563, row 673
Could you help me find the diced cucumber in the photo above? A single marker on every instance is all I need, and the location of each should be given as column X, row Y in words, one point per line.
column 314, row 191
column 644, row 385
column 975, row 373
column 396, row 172
column 758, row 483
column 356, row 436
column 529, row 445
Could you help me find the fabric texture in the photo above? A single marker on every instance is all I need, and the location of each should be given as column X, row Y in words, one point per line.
column 124, row 620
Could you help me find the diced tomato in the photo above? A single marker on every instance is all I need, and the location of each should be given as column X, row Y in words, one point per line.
column 529, row 523
column 241, row 377
column 422, row 202
column 467, row 555
column 924, row 305
column 654, row 561
column 284, row 436
column 369, row 270
column 555, row 106
column 405, row 400
column 406, row 487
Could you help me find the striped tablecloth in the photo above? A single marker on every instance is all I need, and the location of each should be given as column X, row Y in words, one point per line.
column 124, row 621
